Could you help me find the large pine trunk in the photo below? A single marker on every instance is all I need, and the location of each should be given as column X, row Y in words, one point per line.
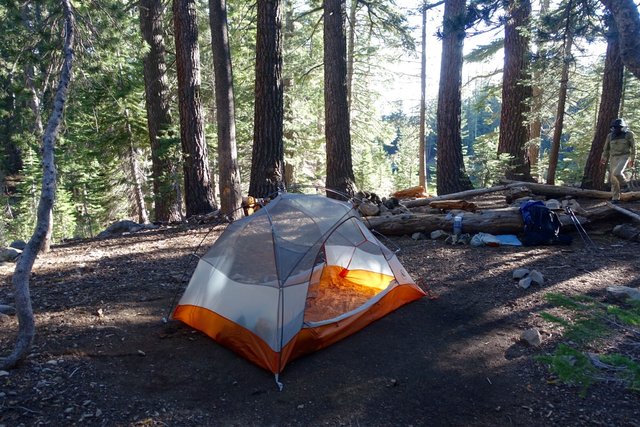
column 516, row 91
column 229, row 175
column 198, row 191
column 451, row 174
column 159, row 120
column 612, row 82
column 267, row 160
column 340, row 179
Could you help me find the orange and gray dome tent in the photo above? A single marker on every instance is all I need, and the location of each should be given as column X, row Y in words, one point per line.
column 296, row 276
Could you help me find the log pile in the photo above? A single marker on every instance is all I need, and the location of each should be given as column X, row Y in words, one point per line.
column 426, row 214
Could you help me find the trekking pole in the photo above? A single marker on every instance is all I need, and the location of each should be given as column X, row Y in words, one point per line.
column 581, row 231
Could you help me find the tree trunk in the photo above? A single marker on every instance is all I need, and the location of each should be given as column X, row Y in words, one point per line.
column 267, row 160
column 516, row 90
column 612, row 84
column 351, row 43
column 627, row 17
column 537, row 102
column 229, row 179
column 197, row 177
column 562, row 98
column 451, row 174
column 22, row 273
column 340, row 179
column 134, row 171
column 159, row 119
column 422, row 175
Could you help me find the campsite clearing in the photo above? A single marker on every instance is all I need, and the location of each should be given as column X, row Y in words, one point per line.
column 102, row 356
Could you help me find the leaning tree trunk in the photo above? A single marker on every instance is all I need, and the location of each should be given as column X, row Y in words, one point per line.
column 24, row 266
column 451, row 174
column 229, row 180
column 612, row 84
column 516, row 91
column 627, row 17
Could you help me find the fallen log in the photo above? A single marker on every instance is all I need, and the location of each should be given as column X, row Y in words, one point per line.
column 624, row 211
column 453, row 196
column 447, row 205
column 560, row 191
column 495, row 221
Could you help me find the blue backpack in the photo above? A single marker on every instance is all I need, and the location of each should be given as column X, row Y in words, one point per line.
column 541, row 225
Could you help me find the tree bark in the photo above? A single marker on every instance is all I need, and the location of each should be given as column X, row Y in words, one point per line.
column 451, row 174
column 340, row 179
column 422, row 175
column 612, row 84
column 159, row 119
column 627, row 17
column 267, row 160
column 516, row 90
column 498, row 221
column 197, row 177
column 22, row 274
column 229, row 180
column 562, row 98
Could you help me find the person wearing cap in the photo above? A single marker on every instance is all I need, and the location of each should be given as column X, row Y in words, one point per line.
column 620, row 150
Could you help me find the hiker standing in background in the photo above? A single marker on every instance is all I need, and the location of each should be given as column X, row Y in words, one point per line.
column 620, row 150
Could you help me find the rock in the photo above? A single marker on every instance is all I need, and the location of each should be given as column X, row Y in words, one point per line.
column 418, row 236
column 520, row 273
column 525, row 282
column 119, row 227
column 553, row 204
column 536, row 277
column 18, row 244
column 532, row 337
column 4, row 373
column 622, row 293
column 439, row 234
column 7, row 309
column 367, row 208
column 9, row 254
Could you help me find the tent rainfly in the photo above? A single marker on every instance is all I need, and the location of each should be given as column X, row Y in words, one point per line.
column 296, row 276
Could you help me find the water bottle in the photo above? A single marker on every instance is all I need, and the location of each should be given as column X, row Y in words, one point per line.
column 457, row 225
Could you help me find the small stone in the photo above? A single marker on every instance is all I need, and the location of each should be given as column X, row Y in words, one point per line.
column 418, row 236
column 525, row 282
column 100, row 313
column 142, row 353
column 536, row 277
column 532, row 337
column 622, row 293
column 439, row 234
column 520, row 273
column 4, row 373
column 301, row 406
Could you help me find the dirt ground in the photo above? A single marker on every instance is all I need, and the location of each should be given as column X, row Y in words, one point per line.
column 102, row 355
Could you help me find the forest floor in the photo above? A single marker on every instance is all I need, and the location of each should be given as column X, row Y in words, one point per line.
column 102, row 355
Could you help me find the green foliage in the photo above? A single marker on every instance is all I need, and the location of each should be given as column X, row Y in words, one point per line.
column 586, row 321
column 627, row 369
column 571, row 366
